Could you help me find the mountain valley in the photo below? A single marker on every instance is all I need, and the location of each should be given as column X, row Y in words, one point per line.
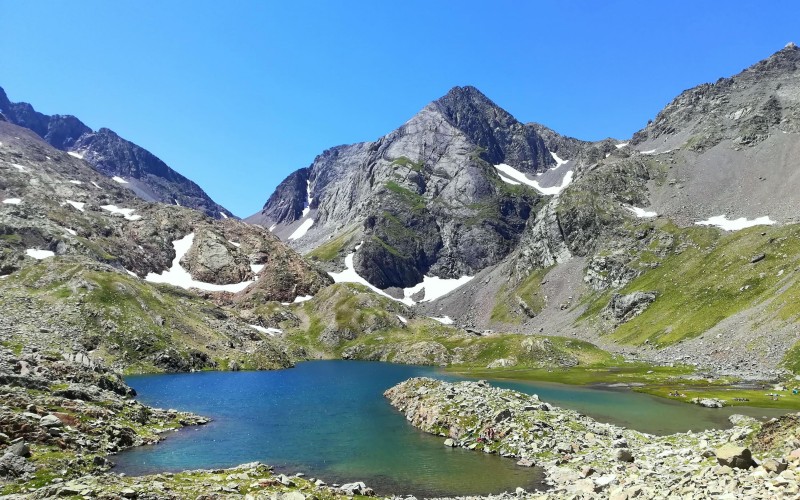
column 667, row 262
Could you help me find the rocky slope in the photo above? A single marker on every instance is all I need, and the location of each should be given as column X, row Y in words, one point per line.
column 425, row 199
column 588, row 459
column 82, row 260
column 628, row 225
column 149, row 177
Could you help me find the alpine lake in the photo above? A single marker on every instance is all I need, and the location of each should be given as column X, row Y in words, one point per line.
column 329, row 420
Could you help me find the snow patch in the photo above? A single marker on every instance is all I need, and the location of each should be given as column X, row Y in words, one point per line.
column 272, row 227
column 640, row 212
column 508, row 180
column 649, row 152
column 302, row 230
column 518, row 176
column 434, row 286
column 722, row 222
column 125, row 212
column 256, row 268
column 268, row 331
column 445, row 320
column 96, row 185
column 76, row 182
column 131, row 273
column 71, row 231
column 558, row 160
column 180, row 277
column 38, row 254
column 302, row 298
column 176, row 203
column 402, row 319
column 119, row 179
column 19, row 167
column 307, row 207
column 12, row 201
column 77, row 204
column 76, row 155
column 237, row 245
column 621, row 145
column 221, row 214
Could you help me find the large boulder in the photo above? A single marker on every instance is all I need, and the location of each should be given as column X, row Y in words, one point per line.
column 734, row 456
column 213, row 259
column 623, row 308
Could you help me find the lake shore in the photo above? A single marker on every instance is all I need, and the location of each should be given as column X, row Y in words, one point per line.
column 582, row 456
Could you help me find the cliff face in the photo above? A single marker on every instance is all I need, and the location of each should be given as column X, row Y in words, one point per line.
column 426, row 198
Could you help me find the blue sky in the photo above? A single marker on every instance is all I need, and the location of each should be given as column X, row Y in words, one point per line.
column 236, row 95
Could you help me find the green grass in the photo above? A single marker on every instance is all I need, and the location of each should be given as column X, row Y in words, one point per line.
column 708, row 279
column 332, row 249
column 756, row 397
column 507, row 308
column 413, row 200
column 408, row 163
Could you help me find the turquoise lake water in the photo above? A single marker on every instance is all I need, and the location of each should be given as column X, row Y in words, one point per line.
column 329, row 419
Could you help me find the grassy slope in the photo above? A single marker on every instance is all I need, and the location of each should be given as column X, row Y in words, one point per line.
column 710, row 277
column 507, row 309
column 126, row 319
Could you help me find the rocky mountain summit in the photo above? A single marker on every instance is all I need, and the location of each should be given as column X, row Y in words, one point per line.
column 138, row 169
column 426, row 199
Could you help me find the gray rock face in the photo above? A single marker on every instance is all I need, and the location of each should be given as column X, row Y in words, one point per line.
column 426, row 197
column 212, row 259
column 739, row 108
column 622, row 308
column 150, row 178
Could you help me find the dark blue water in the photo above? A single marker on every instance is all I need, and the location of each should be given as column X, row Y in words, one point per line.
column 329, row 419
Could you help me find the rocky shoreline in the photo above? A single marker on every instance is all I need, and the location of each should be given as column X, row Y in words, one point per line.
column 63, row 416
column 588, row 459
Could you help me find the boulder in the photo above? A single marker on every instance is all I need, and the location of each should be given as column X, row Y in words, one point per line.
column 709, row 402
column 502, row 415
column 13, row 466
column 50, row 421
column 774, row 466
column 624, row 455
column 735, row 456
column 623, row 308
column 20, row 449
column 357, row 488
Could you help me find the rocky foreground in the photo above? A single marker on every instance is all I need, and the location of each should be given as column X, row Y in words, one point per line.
column 584, row 458
column 64, row 416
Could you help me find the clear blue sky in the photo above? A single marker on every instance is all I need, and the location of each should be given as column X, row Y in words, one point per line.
column 236, row 95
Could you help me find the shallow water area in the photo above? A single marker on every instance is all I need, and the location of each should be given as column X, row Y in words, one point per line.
column 329, row 419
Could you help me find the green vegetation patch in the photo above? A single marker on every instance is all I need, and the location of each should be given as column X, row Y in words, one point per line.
column 508, row 302
column 330, row 250
column 409, row 198
column 403, row 161
column 704, row 284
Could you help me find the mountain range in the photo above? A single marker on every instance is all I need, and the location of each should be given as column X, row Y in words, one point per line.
column 133, row 166
column 546, row 230
column 651, row 246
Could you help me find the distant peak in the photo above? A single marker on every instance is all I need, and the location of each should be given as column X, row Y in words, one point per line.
column 466, row 92
column 790, row 45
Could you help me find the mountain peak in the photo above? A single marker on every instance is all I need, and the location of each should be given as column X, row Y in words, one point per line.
column 464, row 98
